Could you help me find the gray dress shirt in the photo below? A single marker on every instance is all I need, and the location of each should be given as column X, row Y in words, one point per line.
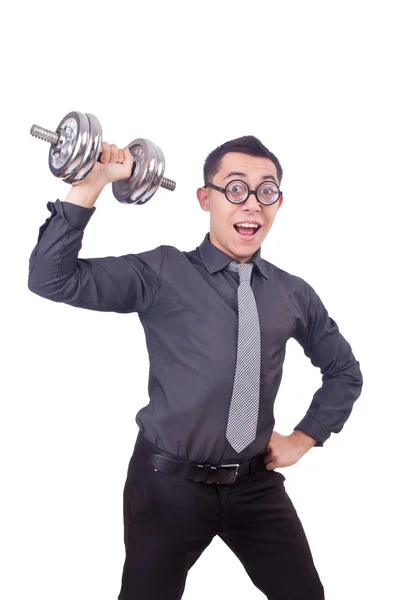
column 187, row 304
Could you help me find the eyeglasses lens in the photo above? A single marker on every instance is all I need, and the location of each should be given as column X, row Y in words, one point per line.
column 267, row 192
column 237, row 191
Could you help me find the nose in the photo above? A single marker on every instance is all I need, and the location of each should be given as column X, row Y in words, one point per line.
column 251, row 203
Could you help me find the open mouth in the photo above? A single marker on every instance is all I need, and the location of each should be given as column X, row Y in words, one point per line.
column 247, row 233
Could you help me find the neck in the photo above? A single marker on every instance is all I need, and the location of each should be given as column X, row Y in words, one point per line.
column 242, row 259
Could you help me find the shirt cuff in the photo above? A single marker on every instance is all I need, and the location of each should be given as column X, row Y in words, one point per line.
column 75, row 215
column 314, row 429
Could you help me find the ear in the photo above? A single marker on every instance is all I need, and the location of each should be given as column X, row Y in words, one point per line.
column 280, row 201
column 202, row 196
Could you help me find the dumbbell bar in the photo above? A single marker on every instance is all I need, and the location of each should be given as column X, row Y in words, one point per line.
column 76, row 146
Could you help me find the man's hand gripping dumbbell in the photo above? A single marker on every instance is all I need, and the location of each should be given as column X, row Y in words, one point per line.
column 76, row 147
column 114, row 164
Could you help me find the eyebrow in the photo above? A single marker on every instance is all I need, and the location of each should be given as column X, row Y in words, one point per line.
column 239, row 174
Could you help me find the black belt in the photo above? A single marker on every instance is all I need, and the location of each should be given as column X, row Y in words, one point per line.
column 226, row 473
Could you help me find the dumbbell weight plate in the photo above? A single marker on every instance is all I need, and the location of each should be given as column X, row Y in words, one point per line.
column 147, row 173
column 156, row 175
column 66, row 156
column 92, row 152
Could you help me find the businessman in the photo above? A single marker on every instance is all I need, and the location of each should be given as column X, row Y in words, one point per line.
column 217, row 319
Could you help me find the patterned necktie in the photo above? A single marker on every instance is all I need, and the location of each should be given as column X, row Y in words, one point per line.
column 244, row 406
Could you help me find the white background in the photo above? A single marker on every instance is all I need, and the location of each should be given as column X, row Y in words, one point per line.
column 315, row 82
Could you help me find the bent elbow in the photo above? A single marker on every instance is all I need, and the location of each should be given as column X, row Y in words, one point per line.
column 38, row 288
column 47, row 287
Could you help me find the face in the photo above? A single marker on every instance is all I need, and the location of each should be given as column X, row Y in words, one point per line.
column 224, row 215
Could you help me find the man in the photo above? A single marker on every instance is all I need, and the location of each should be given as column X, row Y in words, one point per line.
column 216, row 320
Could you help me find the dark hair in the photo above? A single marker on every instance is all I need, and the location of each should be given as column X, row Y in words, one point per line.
column 247, row 144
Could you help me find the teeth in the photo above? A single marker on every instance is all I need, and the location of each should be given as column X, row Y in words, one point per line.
column 247, row 225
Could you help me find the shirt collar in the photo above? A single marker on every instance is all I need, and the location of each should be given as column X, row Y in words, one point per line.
column 216, row 260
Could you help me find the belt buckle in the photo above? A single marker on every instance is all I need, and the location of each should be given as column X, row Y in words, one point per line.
column 232, row 465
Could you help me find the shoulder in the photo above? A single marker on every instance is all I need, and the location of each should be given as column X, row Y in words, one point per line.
column 292, row 287
column 157, row 257
column 289, row 281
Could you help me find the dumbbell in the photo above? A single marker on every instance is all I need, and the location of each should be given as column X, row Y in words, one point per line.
column 76, row 146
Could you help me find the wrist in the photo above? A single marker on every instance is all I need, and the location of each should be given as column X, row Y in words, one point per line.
column 84, row 194
column 303, row 439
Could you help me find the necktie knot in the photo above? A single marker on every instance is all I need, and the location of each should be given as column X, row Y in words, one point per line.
column 243, row 269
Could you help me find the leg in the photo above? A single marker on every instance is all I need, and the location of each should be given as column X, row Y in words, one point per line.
column 168, row 523
column 262, row 528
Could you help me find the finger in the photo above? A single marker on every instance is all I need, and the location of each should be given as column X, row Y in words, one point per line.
column 270, row 466
column 114, row 153
column 105, row 153
column 128, row 160
column 267, row 459
column 120, row 157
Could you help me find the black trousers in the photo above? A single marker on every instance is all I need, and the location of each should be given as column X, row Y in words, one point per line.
column 168, row 523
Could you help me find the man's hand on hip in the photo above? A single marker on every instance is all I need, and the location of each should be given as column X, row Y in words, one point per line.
column 286, row 450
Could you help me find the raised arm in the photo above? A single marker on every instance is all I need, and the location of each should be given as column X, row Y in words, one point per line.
column 120, row 284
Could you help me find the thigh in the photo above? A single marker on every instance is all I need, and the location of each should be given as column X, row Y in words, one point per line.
column 263, row 529
column 168, row 522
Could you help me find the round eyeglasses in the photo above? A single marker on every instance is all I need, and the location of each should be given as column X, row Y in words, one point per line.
column 238, row 191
